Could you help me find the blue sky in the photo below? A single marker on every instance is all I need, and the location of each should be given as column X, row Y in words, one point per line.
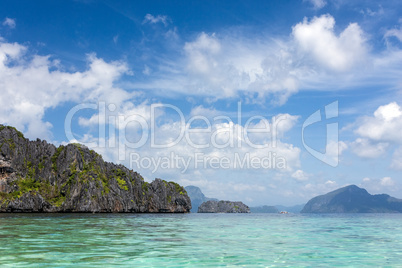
column 280, row 61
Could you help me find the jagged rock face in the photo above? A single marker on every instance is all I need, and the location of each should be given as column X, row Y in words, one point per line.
column 352, row 199
column 197, row 197
column 38, row 177
column 223, row 207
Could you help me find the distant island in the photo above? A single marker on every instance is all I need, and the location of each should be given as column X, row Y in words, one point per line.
column 352, row 199
column 38, row 177
column 197, row 197
column 223, row 207
column 202, row 204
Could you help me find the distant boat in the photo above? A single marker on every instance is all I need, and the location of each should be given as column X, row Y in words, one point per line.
column 284, row 212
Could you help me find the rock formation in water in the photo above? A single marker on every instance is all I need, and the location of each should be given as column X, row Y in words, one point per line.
column 352, row 199
column 197, row 197
column 223, row 207
column 38, row 177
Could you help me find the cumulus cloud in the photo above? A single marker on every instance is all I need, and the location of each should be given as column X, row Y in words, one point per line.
column 384, row 126
column 300, row 175
column 219, row 139
column 232, row 64
column 149, row 18
column 379, row 133
column 10, row 23
column 368, row 149
column 31, row 87
column 335, row 52
column 387, row 181
column 316, row 56
column 380, row 185
column 335, row 149
column 224, row 67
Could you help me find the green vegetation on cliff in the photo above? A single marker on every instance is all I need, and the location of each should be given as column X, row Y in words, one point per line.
column 72, row 178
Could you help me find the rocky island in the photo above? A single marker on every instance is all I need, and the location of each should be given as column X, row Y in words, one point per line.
column 352, row 199
column 197, row 197
column 223, row 207
column 35, row 176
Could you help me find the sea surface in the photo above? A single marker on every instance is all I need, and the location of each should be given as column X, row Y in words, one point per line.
column 200, row 240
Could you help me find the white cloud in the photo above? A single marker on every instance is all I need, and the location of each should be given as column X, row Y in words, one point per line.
column 373, row 13
column 300, row 175
column 379, row 133
column 394, row 33
column 367, row 149
column 224, row 67
column 206, row 112
column 337, row 53
column 10, row 23
column 223, row 140
column 31, row 87
column 387, row 181
column 316, row 56
column 384, row 126
column 380, row 186
column 156, row 19
column 335, row 149
column 318, row 4
column 311, row 190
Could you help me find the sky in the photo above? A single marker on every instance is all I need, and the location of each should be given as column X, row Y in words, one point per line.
column 265, row 102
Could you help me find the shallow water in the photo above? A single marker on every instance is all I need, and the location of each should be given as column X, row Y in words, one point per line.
column 200, row 240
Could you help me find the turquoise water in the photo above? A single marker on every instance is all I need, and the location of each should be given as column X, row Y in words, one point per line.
column 200, row 240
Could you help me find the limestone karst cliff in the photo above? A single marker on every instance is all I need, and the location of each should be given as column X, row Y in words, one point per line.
column 36, row 176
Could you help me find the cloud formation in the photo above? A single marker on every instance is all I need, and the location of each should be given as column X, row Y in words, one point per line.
column 335, row 52
column 380, row 186
column 380, row 133
column 260, row 68
column 32, row 86
column 10, row 23
column 149, row 18
column 384, row 126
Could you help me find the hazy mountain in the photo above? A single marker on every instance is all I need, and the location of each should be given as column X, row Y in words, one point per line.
column 197, row 197
column 352, row 199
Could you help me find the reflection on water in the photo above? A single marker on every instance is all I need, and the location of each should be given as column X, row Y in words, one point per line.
column 199, row 240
